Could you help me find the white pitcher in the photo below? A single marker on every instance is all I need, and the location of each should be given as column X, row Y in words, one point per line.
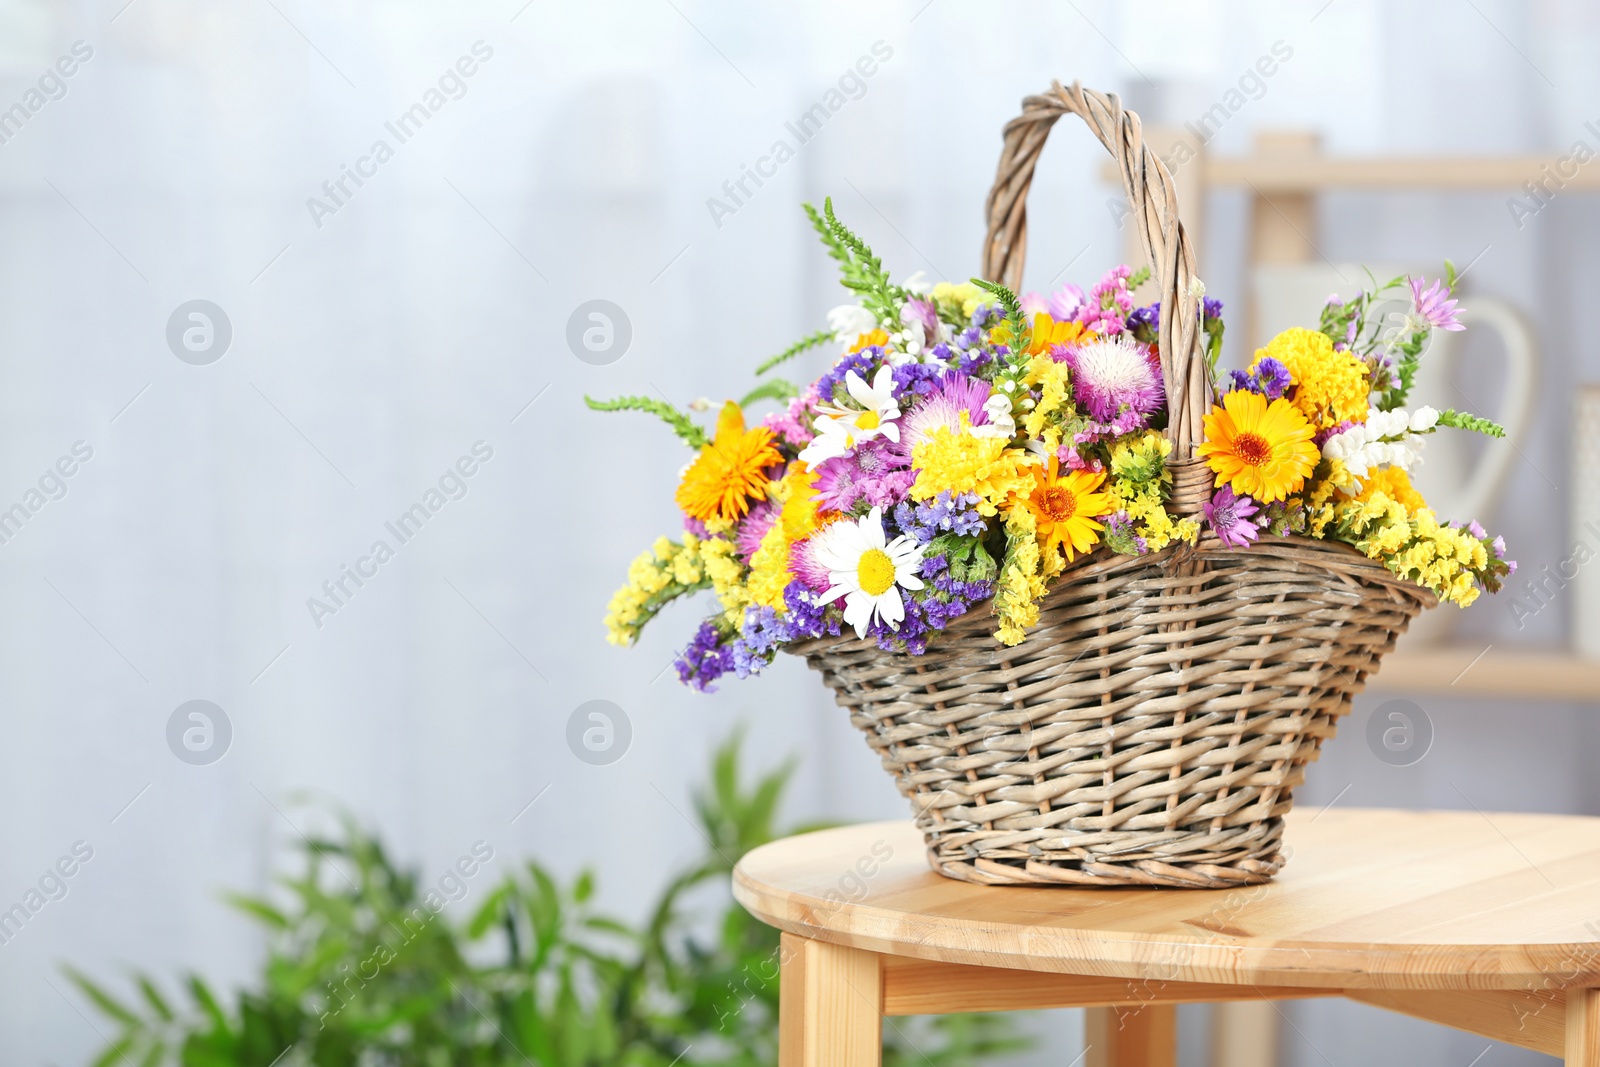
column 1456, row 485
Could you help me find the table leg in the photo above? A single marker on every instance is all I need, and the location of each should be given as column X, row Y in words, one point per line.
column 1132, row 1035
column 1244, row 1033
column 830, row 1005
column 1583, row 1028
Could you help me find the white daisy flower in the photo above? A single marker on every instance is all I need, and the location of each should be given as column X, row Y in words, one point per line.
column 840, row 429
column 868, row 570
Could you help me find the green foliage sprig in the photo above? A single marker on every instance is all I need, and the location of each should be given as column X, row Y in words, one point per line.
column 1016, row 322
column 1460, row 420
column 772, row 389
column 805, row 343
column 681, row 424
column 860, row 270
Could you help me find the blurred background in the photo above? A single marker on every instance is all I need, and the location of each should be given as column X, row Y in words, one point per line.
column 358, row 337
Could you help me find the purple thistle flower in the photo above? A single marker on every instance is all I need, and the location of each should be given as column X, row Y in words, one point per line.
column 1229, row 516
column 957, row 392
column 747, row 538
column 1114, row 377
column 1433, row 306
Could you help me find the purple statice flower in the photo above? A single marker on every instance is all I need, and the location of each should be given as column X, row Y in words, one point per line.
column 753, row 527
column 943, row 599
column 705, row 660
column 793, row 423
column 1210, row 308
column 1113, row 378
column 862, row 362
column 943, row 514
column 1476, row 530
column 762, row 633
column 878, row 472
column 1433, row 305
column 1269, row 377
column 913, row 380
column 1145, row 318
column 804, row 617
column 1229, row 516
column 1120, row 535
column 696, row 527
column 956, row 393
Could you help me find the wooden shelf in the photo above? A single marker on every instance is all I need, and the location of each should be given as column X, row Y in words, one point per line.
column 1470, row 671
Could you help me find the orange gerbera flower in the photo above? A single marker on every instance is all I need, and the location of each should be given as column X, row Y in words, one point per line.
column 729, row 471
column 868, row 339
column 1064, row 509
column 1263, row 450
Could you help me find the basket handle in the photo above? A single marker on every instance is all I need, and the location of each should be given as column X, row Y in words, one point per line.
column 1154, row 204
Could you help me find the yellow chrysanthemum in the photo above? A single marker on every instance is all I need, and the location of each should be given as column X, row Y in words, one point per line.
column 1394, row 483
column 1261, row 449
column 1064, row 510
column 729, row 471
column 954, row 460
column 1330, row 387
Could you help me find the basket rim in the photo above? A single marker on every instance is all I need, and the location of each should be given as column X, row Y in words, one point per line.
column 1102, row 560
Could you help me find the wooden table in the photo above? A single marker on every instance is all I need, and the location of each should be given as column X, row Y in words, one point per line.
column 1487, row 923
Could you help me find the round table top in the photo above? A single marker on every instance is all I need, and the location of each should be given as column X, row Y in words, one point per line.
column 1387, row 899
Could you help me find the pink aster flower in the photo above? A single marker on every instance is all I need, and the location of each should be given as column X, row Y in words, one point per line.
column 956, row 393
column 878, row 471
column 1433, row 306
column 1229, row 516
column 807, row 568
column 1113, row 379
column 754, row 527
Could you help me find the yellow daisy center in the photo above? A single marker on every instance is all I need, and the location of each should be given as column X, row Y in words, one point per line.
column 1252, row 449
column 875, row 572
column 867, row 420
column 1058, row 503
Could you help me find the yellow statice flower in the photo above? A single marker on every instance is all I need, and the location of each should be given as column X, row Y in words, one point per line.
column 959, row 462
column 1329, row 386
column 1415, row 546
column 726, row 575
column 1141, row 459
column 666, row 571
column 1020, row 586
column 1054, row 406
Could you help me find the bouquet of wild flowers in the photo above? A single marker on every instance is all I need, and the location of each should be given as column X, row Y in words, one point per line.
column 967, row 447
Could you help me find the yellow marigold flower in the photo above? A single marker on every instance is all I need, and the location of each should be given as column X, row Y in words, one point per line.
column 729, row 471
column 956, row 461
column 1329, row 386
column 1394, row 483
column 1260, row 449
column 1064, row 510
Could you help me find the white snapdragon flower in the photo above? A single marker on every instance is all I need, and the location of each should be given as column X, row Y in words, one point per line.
column 1387, row 438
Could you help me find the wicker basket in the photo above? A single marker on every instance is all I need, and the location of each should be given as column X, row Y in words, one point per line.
column 1153, row 726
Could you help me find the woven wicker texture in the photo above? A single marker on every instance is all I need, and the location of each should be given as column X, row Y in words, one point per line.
column 1152, row 727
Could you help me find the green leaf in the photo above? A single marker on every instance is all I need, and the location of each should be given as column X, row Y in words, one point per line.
column 153, row 997
column 805, row 343
column 681, row 424
column 860, row 270
column 258, row 909
column 107, row 1004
